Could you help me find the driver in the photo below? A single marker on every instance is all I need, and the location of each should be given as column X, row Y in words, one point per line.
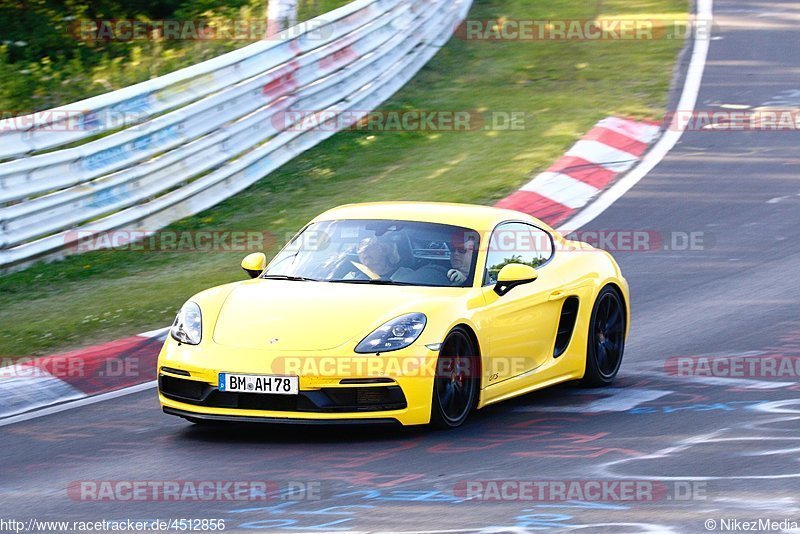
column 378, row 256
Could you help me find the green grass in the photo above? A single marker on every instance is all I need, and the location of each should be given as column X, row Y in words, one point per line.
column 562, row 87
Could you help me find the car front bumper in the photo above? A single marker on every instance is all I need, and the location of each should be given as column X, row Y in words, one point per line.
column 393, row 387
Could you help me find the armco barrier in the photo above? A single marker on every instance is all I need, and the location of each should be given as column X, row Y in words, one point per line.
column 203, row 133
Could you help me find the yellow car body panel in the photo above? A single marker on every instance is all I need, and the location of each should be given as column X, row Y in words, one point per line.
column 277, row 327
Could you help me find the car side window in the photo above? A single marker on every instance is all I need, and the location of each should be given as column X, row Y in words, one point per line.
column 516, row 242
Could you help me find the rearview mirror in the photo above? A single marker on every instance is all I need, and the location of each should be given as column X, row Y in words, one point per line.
column 513, row 275
column 254, row 264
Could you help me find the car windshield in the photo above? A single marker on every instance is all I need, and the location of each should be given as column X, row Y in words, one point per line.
column 387, row 252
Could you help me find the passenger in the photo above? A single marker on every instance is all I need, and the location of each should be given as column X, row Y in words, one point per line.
column 461, row 257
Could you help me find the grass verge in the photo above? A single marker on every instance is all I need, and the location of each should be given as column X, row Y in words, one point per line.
column 562, row 87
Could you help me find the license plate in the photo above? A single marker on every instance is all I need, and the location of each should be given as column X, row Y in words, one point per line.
column 277, row 385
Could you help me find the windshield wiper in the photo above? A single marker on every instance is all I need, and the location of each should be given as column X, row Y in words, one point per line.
column 288, row 277
column 374, row 282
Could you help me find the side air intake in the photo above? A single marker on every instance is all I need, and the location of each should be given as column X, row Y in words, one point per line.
column 566, row 325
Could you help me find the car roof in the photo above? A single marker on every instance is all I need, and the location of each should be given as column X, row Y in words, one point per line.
column 482, row 218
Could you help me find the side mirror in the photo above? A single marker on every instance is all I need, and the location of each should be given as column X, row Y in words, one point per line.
column 254, row 264
column 513, row 275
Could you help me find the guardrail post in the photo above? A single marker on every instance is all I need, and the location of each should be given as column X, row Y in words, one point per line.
column 281, row 14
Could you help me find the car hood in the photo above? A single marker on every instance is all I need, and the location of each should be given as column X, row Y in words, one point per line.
column 303, row 316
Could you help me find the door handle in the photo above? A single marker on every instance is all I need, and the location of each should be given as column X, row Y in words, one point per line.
column 556, row 295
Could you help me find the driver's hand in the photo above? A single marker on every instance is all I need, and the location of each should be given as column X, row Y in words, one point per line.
column 456, row 276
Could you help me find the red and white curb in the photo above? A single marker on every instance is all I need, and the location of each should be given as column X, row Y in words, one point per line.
column 35, row 383
column 610, row 149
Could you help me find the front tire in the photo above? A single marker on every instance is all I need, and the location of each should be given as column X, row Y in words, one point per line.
column 606, row 341
column 455, row 386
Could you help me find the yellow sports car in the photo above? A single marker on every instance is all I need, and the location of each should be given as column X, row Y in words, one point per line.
column 397, row 312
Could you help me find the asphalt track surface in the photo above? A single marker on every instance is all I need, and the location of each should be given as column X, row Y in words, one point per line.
column 716, row 448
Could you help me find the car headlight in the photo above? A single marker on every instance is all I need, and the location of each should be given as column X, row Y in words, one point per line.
column 396, row 334
column 188, row 325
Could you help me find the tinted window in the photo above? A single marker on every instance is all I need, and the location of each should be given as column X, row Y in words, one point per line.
column 516, row 243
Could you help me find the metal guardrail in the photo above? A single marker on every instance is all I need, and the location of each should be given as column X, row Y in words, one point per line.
column 204, row 133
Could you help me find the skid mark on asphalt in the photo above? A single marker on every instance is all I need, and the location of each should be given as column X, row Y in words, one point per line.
column 761, row 449
column 613, row 400
column 519, row 440
column 536, row 436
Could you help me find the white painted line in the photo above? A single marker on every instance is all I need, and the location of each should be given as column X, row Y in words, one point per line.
column 619, row 400
column 611, row 468
column 778, row 199
column 625, row 399
column 790, row 406
column 745, row 383
column 688, row 100
column 561, row 188
column 780, row 504
column 78, row 403
column 609, row 157
column 485, row 530
column 774, row 452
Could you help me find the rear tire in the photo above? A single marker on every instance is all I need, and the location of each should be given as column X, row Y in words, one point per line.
column 606, row 340
column 455, row 386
